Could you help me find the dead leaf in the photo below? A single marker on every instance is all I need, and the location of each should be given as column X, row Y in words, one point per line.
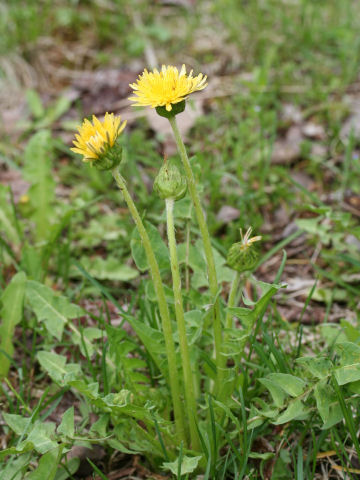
column 288, row 150
column 227, row 214
column 101, row 91
column 313, row 130
column 14, row 179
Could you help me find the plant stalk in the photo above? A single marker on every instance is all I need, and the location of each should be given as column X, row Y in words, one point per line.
column 232, row 298
column 213, row 283
column 163, row 307
column 229, row 324
column 180, row 319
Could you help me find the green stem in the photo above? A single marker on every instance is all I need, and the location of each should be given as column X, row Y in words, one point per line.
column 213, row 283
column 231, row 301
column 187, row 255
column 228, row 324
column 163, row 307
column 180, row 319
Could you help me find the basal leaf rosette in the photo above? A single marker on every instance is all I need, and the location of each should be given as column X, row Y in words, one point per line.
column 97, row 141
column 166, row 90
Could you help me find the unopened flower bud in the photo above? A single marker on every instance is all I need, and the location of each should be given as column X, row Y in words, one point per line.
column 243, row 255
column 170, row 183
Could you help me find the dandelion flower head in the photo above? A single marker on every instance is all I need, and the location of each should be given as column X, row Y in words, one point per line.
column 165, row 87
column 94, row 138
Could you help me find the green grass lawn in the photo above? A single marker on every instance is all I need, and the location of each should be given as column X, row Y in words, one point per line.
column 274, row 144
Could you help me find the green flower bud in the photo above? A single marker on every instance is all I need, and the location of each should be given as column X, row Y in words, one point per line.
column 243, row 255
column 175, row 109
column 170, row 183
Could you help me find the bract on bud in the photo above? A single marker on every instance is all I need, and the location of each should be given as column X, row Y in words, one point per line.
column 170, row 183
column 243, row 255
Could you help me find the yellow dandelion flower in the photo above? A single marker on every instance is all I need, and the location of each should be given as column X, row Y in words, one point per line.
column 165, row 88
column 96, row 137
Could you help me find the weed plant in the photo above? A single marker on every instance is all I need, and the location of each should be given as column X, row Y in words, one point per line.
column 183, row 355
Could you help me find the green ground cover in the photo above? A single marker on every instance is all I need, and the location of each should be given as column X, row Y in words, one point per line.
column 274, row 144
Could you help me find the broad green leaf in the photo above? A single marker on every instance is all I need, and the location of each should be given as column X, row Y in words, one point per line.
column 8, row 219
column 291, row 385
column 295, row 411
column 54, row 310
column 101, row 425
column 55, row 111
column 188, row 465
column 53, row 364
column 335, row 416
column 183, row 208
column 195, row 259
column 38, row 171
column 72, row 466
column 47, row 467
column 276, row 392
column 100, row 229
column 352, row 333
column 108, row 269
column 121, row 403
column 32, row 261
column 268, row 290
column 66, row 426
column 249, row 316
column 90, row 390
column 117, row 445
column 17, row 423
column 324, row 396
column 88, row 335
column 347, row 373
column 34, row 102
column 236, row 341
column 332, row 333
column 160, row 250
column 245, row 315
column 199, row 277
column 349, row 353
column 153, row 340
column 313, row 226
column 319, row 367
column 194, row 320
column 11, row 303
column 15, row 468
column 130, row 438
column 265, row 410
column 41, row 437
column 151, row 294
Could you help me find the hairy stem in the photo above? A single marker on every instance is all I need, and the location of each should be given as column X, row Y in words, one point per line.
column 228, row 324
column 213, row 283
column 180, row 319
column 163, row 307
